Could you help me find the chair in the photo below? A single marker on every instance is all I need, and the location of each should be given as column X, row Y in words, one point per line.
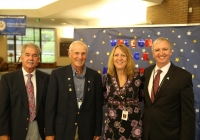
column 3, row 65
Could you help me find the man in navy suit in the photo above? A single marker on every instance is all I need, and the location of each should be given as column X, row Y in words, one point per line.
column 15, row 122
column 74, row 99
column 169, row 111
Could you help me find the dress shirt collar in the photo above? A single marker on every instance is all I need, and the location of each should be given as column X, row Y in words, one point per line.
column 25, row 73
column 164, row 69
column 82, row 75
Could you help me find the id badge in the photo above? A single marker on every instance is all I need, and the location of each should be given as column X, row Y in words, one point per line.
column 79, row 104
column 125, row 115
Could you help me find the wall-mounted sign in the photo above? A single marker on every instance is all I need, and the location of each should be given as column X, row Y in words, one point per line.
column 12, row 25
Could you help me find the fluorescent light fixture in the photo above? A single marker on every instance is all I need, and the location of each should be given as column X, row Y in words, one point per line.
column 24, row 4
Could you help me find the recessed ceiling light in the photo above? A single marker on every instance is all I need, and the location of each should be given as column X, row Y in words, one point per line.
column 63, row 23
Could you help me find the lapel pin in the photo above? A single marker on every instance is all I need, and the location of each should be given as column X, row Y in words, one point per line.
column 70, row 89
column 68, row 78
column 167, row 78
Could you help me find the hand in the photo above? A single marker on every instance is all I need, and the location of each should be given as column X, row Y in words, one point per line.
column 5, row 137
column 49, row 137
column 96, row 138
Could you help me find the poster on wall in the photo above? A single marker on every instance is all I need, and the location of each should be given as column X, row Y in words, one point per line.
column 64, row 48
column 12, row 25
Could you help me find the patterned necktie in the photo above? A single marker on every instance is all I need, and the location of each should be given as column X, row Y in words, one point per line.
column 31, row 99
column 155, row 85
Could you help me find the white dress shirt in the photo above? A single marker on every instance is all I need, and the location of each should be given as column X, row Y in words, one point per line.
column 33, row 79
column 162, row 75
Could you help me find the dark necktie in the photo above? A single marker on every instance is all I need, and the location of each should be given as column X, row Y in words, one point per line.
column 155, row 85
column 31, row 99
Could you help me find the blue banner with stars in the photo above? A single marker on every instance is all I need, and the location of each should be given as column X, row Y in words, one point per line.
column 185, row 42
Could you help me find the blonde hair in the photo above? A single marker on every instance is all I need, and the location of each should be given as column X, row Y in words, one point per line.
column 161, row 39
column 129, row 68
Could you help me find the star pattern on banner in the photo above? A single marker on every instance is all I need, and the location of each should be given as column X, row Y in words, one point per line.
column 131, row 30
column 143, row 50
column 196, row 110
column 99, row 71
column 195, row 66
column 177, row 59
column 189, row 33
column 158, row 33
column 184, row 41
column 150, row 62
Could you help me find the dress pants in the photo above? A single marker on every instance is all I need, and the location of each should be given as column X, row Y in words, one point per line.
column 76, row 134
column 33, row 132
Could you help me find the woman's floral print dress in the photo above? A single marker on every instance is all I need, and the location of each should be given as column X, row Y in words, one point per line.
column 118, row 99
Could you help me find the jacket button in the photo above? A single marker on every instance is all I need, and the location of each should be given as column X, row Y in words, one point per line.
column 27, row 119
column 26, row 128
column 78, row 113
column 75, row 123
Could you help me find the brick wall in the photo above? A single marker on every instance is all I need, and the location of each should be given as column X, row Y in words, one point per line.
column 174, row 12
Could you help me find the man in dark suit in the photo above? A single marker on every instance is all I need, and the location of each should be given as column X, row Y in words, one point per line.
column 16, row 104
column 169, row 110
column 74, row 99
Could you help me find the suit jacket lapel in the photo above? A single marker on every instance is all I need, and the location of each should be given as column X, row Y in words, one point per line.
column 68, row 79
column 166, row 80
column 147, row 79
column 87, row 88
column 22, row 88
column 40, row 88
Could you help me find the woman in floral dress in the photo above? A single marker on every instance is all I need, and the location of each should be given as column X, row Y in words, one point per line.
column 123, row 89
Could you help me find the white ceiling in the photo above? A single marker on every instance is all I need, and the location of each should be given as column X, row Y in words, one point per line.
column 83, row 13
